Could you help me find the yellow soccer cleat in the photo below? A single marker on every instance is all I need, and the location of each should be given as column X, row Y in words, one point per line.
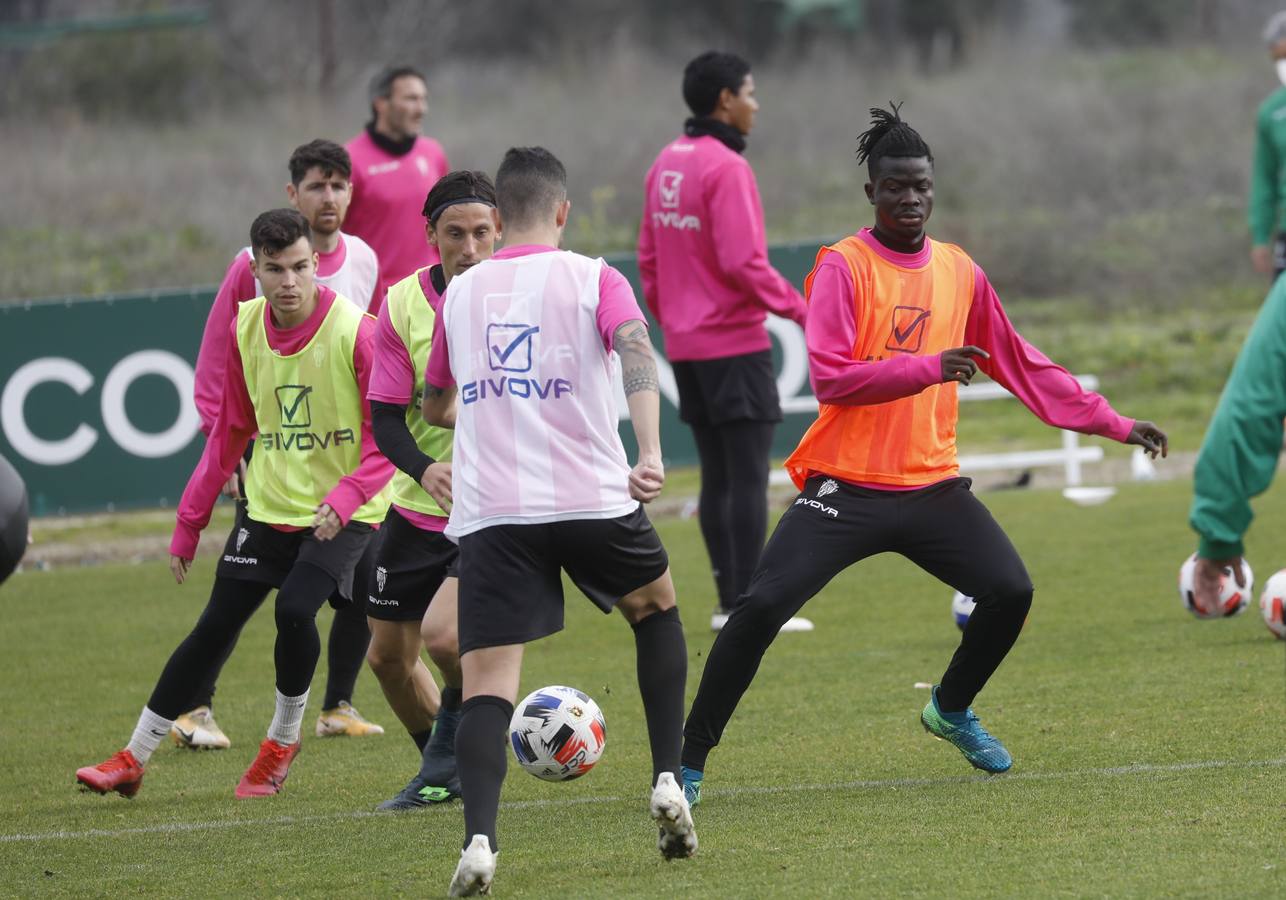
column 344, row 719
column 197, row 730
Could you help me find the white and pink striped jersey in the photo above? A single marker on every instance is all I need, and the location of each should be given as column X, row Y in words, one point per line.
column 526, row 336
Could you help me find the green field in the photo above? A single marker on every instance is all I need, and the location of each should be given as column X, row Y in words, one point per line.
column 1148, row 745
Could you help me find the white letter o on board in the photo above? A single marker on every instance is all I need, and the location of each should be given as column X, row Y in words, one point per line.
column 146, row 444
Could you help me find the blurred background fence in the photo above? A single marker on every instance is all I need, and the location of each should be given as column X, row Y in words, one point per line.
column 1095, row 149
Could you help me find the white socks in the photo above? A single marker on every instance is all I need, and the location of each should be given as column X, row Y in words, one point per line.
column 287, row 719
column 148, row 734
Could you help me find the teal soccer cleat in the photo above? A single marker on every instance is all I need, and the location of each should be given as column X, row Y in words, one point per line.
column 965, row 731
column 691, row 785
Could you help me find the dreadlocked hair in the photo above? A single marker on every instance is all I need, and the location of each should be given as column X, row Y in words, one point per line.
column 889, row 136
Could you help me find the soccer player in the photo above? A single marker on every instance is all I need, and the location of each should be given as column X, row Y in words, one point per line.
column 1268, row 250
column 1239, row 455
column 412, row 600
column 13, row 519
column 393, row 167
column 320, row 188
column 896, row 321
column 297, row 376
column 703, row 260
column 541, row 485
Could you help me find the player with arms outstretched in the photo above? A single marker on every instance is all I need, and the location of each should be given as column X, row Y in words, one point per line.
column 896, row 322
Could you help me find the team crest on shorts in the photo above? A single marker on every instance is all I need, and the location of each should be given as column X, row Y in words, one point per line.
column 242, row 535
column 381, row 576
column 827, row 487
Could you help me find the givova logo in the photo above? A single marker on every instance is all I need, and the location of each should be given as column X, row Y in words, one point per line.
column 509, row 346
column 296, row 415
column 668, row 189
column 293, row 402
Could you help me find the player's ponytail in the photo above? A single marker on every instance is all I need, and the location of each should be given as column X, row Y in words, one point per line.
column 889, row 136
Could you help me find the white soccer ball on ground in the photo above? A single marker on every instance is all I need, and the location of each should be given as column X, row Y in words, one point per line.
column 1232, row 599
column 557, row 733
column 1272, row 602
column 962, row 608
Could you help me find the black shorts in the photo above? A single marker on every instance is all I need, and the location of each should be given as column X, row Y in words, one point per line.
column 511, row 586
column 410, row 566
column 262, row 554
column 734, row 388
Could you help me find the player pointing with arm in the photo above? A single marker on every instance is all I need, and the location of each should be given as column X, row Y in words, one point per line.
column 297, row 375
column 540, row 485
column 895, row 322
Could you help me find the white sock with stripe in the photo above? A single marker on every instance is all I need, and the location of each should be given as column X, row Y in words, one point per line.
column 148, row 734
column 287, row 719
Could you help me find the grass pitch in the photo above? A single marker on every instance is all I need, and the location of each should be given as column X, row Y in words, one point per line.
column 1147, row 744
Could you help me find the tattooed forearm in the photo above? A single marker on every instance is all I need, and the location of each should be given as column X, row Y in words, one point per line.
column 638, row 364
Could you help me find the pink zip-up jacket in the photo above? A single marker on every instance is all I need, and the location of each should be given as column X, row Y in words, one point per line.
column 703, row 255
column 1044, row 387
column 235, row 424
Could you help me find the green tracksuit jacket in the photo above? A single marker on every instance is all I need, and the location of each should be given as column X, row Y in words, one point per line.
column 1239, row 454
column 1268, row 177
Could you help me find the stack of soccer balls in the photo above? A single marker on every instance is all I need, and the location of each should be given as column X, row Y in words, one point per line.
column 1233, row 599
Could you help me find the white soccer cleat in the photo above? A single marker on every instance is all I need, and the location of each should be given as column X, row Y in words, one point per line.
column 670, row 811
column 476, row 868
column 793, row 624
column 796, row 624
column 197, row 730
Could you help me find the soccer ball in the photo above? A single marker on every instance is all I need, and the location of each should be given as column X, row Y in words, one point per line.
column 961, row 609
column 1232, row 599
column 557, row 733
column 1271, row 603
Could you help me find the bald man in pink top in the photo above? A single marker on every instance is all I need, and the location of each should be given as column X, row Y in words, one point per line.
column 703, row 259
column 394, row 167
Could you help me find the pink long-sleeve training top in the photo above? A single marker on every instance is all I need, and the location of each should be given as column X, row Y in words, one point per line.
column 703, row 254
column 388, row 203
column 235, row 424
column 1044, row 387
column 346, row 269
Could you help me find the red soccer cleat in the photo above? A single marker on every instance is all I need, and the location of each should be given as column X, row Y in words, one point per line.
column 121, row 773
column 268, row 772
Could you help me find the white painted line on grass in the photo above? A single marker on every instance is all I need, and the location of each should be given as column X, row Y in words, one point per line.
column 864, row 784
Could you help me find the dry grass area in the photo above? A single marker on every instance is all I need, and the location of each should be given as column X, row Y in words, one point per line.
column 1115, row 174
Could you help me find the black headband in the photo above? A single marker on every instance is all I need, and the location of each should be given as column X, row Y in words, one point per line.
column 433, row 216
